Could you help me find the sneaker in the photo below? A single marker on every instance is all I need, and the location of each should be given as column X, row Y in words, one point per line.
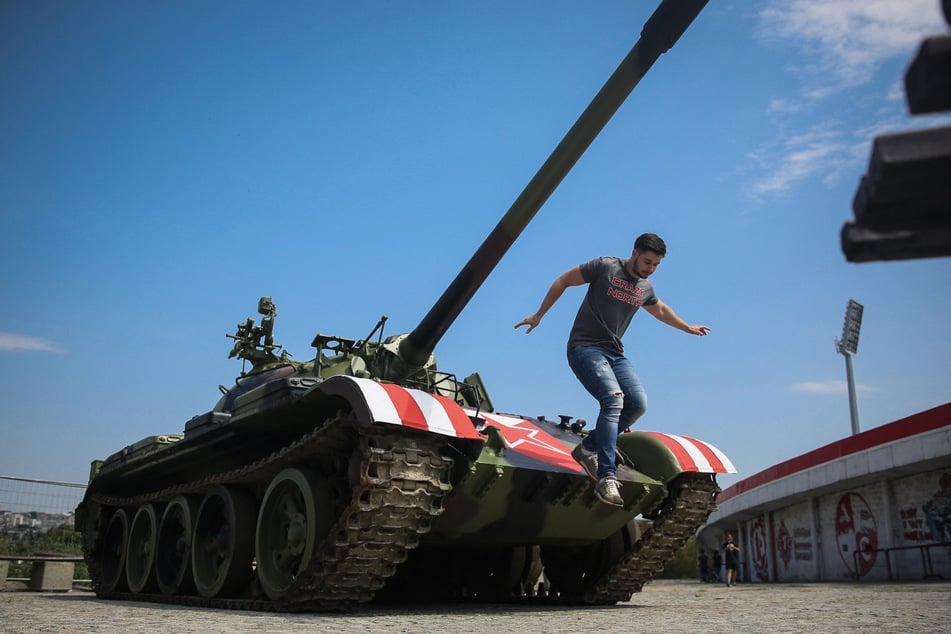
column 587, row 459
column 608, row 491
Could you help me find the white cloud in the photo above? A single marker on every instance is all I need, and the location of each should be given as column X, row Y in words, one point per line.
column 11, row 341
column 843, row 41
column 821, row 150
column 839, row 44
column 828, row 387
column 784, row 105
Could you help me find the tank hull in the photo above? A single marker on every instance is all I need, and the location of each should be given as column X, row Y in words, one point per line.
column 252, row 512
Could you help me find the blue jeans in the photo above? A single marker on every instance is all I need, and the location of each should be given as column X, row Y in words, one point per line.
column 609, row 377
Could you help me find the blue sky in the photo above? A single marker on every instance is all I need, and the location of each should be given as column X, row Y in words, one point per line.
column 165, row 164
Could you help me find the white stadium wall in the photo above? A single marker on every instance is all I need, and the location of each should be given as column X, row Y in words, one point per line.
column 875, row 506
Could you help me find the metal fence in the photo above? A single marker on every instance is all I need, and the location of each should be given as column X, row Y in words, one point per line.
column 36, row 518
column 908, row 562
column 27, row 504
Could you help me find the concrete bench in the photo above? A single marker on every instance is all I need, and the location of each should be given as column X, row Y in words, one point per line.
column 51, row 572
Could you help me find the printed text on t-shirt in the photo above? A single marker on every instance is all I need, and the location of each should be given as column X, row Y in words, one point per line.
column 631, row 293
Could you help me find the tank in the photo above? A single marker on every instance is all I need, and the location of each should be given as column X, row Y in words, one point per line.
column 367, row 472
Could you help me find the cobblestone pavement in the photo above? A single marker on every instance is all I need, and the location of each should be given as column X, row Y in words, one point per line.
column 663, row 606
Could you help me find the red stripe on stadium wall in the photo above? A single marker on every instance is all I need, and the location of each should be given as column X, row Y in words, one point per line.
column 919, row 423
column 457, row 416
column 709, row 454
column 686, row 462
column 406, row 406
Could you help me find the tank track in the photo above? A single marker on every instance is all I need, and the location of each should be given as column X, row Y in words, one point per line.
column 402, row 479
column 691, row 500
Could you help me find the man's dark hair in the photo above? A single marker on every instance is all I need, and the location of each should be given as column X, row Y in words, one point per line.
column 650, row 242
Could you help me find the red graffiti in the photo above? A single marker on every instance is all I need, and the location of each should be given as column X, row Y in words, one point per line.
column 784, row 544
column 856, row 532
column 760, row 558
column 913, row 527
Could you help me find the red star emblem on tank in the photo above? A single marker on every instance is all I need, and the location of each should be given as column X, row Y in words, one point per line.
column 522, row 436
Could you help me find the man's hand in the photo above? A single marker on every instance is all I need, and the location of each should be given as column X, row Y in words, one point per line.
column 700, row 331
column 531, row 321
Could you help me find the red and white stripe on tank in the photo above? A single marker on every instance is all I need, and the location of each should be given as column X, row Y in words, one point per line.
column 392, row 404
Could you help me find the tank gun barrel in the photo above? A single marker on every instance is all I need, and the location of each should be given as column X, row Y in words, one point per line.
column 660, row 32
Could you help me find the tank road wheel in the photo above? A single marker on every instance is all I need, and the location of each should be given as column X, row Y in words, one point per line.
column 174, row 552
column 575, row 571
column 295, row 516
column 112, row 560
column 140, row 553
column 222, row 543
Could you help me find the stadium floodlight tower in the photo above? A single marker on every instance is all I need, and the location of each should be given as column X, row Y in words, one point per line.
column 848, row 346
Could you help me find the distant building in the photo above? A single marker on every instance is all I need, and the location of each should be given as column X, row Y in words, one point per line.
column 873, row 506
column 20, row 523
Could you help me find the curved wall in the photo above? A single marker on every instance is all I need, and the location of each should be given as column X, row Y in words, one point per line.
column 873, row 506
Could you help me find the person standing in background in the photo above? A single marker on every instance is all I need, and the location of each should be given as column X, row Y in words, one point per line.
column 717, row 564
column 731, row 554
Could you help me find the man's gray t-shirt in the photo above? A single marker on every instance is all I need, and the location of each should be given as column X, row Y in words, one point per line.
column 612, row 299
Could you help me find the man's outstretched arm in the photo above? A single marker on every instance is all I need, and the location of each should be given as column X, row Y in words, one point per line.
column 563, row 281
column 666, row 314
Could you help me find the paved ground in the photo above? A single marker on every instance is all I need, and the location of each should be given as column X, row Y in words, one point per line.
column 663, row 606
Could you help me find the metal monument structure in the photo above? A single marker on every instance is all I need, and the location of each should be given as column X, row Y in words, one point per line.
column 367, row 471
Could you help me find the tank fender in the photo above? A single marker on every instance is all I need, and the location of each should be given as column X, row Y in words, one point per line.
column 665, row 456
column 375, row 402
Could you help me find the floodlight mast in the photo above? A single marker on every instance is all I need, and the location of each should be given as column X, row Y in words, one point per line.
column 847, row 347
